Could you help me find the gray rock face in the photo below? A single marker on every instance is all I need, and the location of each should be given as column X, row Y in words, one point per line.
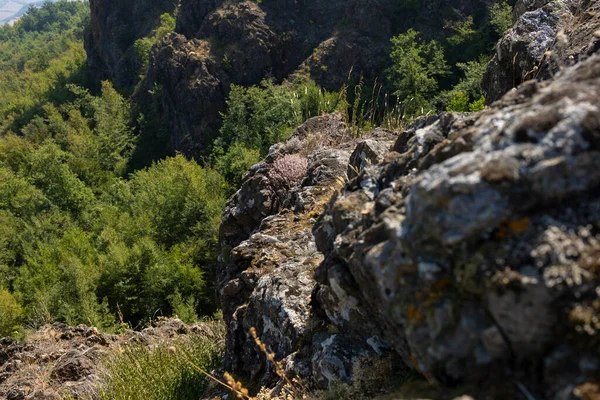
column 464, row 247
column 367, row 152
column 523, row 6
column 188, row 80
column 547, row 36
column 521, row 53
column 470, row 254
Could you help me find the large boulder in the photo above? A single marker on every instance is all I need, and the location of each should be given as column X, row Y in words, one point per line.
column 475, row 257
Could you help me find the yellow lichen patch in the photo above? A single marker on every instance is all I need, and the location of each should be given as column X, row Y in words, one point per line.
column 430, row 295
column 588, row 391
column 512, row 228
column 520, row 225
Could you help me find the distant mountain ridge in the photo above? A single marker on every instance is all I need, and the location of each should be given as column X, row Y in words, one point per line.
column 11, row 10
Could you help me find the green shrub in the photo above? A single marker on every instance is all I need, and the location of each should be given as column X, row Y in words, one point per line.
column 59, row 281
column 10, row 313
column 49, row 172
column 501, row 17
column 416, row 67
column 477, row 105
column 176, row 199
column 184, row 308
column 143, row 46
column 464, row 31
column 460, row 102
column 316, row 101
column 259, row 116
column 236, row 162
column 466, row 94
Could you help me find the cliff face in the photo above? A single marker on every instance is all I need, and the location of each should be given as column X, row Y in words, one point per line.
column 217, row 43
column 114, row 27
column 464, row 247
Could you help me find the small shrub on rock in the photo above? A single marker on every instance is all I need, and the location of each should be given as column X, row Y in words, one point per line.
column 287, row 171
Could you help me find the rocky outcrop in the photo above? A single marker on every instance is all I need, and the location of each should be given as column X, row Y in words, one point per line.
column 464, row 247
column 547, row 37
column 114, row 27
column 269, row 257
column 60, row 361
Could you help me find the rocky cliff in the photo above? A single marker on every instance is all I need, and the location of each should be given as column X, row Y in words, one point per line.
column 217, row 43
column 223, row 42
column 464, row 248
column 114, row 27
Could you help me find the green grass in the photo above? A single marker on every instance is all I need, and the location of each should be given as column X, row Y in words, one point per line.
column 164, row 372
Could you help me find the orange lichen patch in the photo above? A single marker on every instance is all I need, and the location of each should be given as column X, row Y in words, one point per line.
column 515, row 227
column 413, row 314
column 415, row 363
column 442, row 284
column 428, row 296
column 520, row 225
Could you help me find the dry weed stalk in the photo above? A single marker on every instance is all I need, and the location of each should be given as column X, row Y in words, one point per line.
column 293, row 388
column 236, row 387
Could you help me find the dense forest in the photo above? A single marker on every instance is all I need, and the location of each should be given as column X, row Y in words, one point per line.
column 90, row 235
